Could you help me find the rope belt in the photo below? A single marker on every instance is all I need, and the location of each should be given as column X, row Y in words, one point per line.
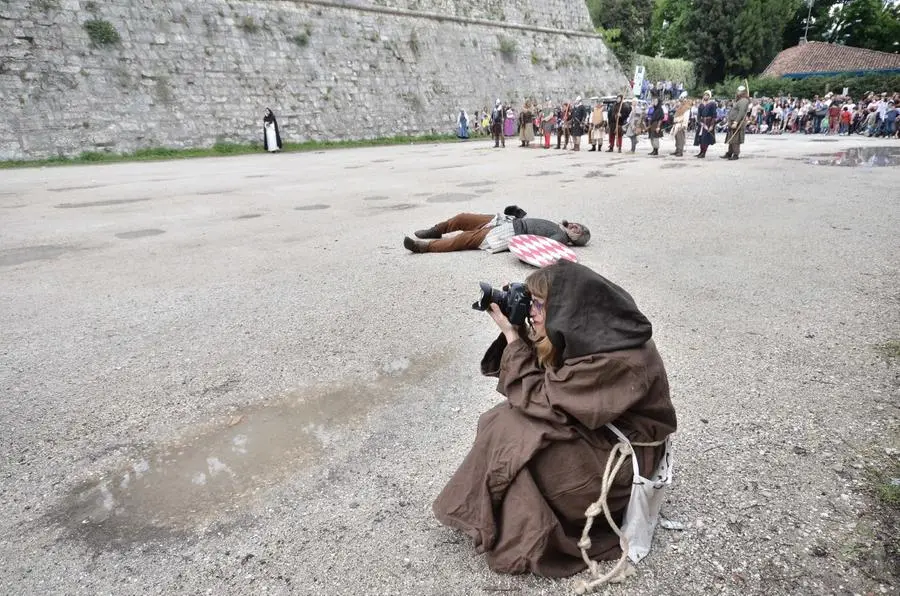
column 617, row 457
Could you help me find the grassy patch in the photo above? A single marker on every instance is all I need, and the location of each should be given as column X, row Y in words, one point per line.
column 102, row 33
column 220, row 149
column 508, row 49
column 888, row 493
column 889, row 349
column 302, row 38
column 248, row 24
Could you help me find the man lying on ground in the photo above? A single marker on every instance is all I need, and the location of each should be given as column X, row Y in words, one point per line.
column 492, row 232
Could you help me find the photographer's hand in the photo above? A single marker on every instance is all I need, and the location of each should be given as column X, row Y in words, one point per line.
column 510, row 331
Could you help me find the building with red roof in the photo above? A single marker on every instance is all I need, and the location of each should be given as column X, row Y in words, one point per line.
column 819, row 58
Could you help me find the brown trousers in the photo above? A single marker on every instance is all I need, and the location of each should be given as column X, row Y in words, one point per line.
column 471, row 226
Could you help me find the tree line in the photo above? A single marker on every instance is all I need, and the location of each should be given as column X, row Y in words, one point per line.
column 738, row 38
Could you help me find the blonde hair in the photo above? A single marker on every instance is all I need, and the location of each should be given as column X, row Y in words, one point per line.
column 539, row 285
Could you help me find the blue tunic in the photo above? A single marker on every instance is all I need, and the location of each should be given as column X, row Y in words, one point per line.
column 706, row 114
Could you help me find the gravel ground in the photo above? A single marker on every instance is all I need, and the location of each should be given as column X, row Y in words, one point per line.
column 226, row 376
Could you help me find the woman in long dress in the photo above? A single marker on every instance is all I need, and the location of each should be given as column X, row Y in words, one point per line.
column 509, row 125
column 462, row 125
column 271, row 135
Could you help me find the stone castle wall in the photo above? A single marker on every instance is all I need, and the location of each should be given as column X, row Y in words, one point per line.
column 189, row 73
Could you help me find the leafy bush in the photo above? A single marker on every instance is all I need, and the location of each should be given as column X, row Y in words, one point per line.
column 248, row 24
column 774, row 87
column 102, row 32
column 665, row 69
column 508, row 49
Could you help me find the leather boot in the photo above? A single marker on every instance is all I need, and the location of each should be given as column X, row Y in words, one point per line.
column 593, row 148
column 620, row 150
column 418, row 246
column 610, row 150
column 432, row 233
column 727, row 156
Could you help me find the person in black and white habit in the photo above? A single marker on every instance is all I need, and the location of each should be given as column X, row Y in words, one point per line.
column 271, row 135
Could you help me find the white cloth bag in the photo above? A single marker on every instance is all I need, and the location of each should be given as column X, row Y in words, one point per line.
column 647, row 496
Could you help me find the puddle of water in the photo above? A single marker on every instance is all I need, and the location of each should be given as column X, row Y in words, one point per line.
column 859, row 157
column 397, row 207
column 314, row 207
column 68, row 188
column 204, row 193
column 450, row 197
column 41, row 252
column 196, row 482
column 249, row 216
column 139, row 233
column 99, row 203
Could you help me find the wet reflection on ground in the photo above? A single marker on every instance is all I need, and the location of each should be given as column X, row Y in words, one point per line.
column 193, row 483
column 864, row 157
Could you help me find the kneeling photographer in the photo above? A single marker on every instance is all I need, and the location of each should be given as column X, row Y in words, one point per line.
column 574, row 354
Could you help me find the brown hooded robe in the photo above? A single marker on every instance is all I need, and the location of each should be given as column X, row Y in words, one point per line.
column 538, row 458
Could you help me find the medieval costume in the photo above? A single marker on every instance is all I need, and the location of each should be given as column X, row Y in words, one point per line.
column 538, row 458
column 526, row 126
column 271, row 134
column 737, row 119
column 706, row 124
column 473, row 231
column 579, row 123
column 548, row 121
column 509, row 125
column 682, row 116
column 655, row 126
column 462, row 125
column 595, row 131
column 617, row 116
column 563, row 124
column 497, row 125
column 634, row 127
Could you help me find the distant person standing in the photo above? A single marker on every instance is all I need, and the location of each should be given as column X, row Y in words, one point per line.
column 617, row 116
column 497, row 116
column 271, row 135
column 579, row 123
column 462, row 125
column 706, row 124
column 737, row 120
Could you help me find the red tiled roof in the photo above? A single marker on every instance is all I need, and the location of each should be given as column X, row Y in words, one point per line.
column 819, row 56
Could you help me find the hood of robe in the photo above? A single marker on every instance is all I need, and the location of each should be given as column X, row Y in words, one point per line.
column 588, row 314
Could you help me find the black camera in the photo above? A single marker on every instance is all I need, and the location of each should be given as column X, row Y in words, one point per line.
column 514, row 301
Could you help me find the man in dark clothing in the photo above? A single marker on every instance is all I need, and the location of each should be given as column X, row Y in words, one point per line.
column 617, row 116
column 497, row 125
column 563, row 124
column 492, row 232
column 579, row 123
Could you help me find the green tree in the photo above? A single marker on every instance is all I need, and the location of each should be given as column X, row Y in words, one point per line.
column 630, row 17
column 668, row 34
column 734, row 37
column 872, row 24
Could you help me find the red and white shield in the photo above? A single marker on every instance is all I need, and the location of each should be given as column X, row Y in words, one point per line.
column 540, row 251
